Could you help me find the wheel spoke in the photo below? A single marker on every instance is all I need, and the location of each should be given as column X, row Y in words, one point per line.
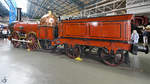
column 34, row 45
column 16, row 44
column 72, row 52
column 112, row 60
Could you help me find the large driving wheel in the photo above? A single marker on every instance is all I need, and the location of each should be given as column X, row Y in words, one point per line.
column 33, row 45
column 111, row 60
column 16, row 44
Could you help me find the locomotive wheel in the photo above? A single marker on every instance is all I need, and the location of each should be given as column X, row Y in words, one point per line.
column 34, row 42
column 16, row 44
column 77, row 52
column 72, row 52
column 69, row 51
column 111, row 60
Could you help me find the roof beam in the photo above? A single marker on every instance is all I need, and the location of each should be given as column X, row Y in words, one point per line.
column 78, row 3
column 44, row 7
column 3, row 10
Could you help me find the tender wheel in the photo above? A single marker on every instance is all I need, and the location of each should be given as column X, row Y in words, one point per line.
column 34, row 42
column 69, row 51
column 77, row 52
column 111, row 60
column 16, row 44
column 72, row 52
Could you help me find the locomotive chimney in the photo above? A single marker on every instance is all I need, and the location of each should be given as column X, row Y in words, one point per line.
column 18, row 14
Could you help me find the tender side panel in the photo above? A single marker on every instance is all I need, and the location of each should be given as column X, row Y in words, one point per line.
column 117, row 28
column 74, row 29
column 105, row 29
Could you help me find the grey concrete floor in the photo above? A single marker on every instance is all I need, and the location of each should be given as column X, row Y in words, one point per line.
column 18, row 66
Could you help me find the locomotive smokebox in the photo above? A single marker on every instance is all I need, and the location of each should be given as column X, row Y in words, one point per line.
column 19, row 14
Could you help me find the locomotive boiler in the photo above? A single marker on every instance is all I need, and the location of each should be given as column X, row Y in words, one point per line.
column 110, row 37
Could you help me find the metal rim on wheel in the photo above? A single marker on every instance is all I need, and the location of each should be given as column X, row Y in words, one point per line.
column 112, row 60
column 34, row 42
column 72, row 52
column 16, row 44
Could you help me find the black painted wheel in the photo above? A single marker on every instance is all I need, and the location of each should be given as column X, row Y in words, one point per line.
column 77, row 52
column 69, row 51
column 111, row 60
column 72, row 52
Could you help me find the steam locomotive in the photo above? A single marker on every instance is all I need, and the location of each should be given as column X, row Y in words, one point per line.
column 108, row 36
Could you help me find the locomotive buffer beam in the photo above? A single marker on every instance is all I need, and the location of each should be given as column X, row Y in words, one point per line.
column 136, row 48
column 143, row 49
column 25, row 41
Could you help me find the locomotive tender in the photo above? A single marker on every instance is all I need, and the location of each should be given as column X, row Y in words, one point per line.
column 109, row 35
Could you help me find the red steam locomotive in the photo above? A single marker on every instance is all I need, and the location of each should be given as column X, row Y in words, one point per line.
column 108, row 36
